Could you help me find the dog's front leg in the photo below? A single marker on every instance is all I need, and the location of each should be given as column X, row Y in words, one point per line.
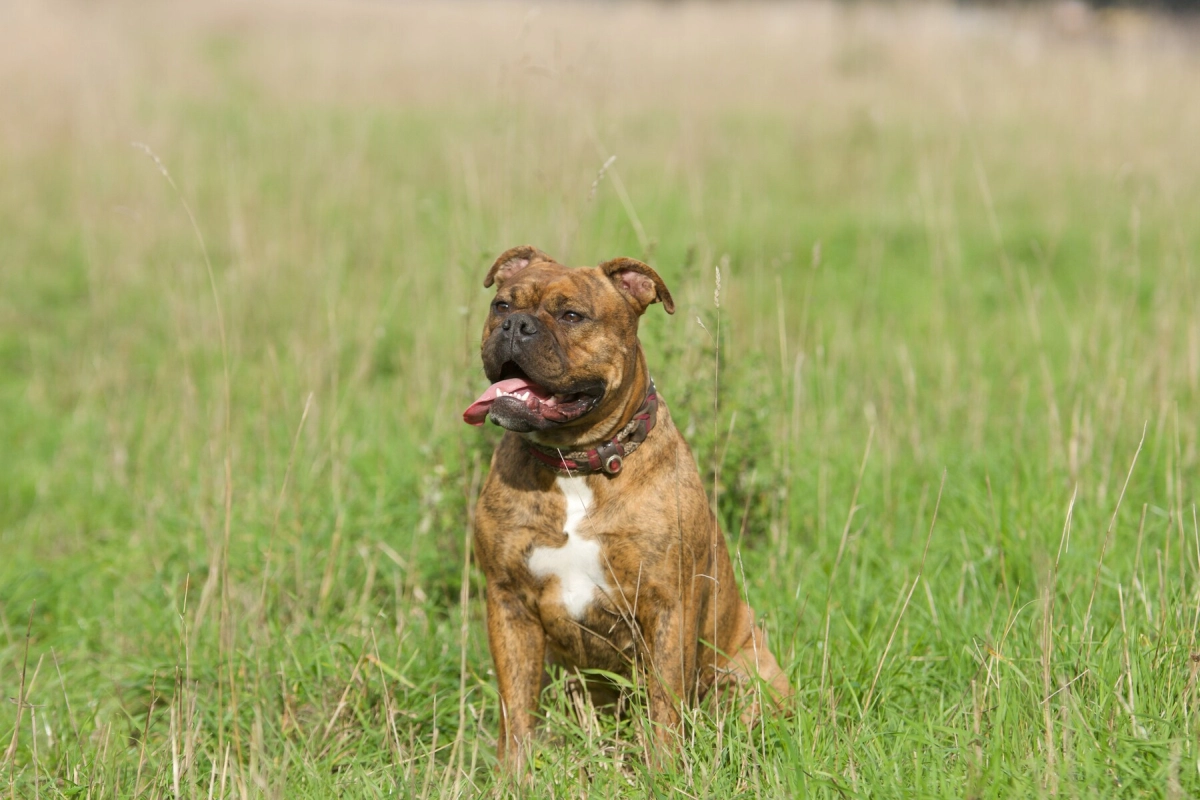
column 518, row 646
column 667, row 660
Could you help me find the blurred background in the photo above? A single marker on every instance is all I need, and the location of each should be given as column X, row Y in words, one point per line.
column 242, row 247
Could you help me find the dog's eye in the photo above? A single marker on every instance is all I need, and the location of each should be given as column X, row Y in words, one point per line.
column 572, row 316
column 499, row 306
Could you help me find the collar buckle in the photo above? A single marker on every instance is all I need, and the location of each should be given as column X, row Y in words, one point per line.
column 610, row 456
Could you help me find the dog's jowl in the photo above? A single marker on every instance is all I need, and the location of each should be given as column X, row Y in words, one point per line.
column 593, row 529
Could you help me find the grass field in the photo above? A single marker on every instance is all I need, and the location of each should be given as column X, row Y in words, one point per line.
column 958, row 257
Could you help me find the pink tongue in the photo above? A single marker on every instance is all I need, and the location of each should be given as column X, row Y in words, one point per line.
column 476, row 413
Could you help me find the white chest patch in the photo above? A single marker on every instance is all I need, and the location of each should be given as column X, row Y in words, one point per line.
column 577, row 563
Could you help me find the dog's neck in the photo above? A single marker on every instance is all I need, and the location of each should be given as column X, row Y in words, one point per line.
column 606, row 457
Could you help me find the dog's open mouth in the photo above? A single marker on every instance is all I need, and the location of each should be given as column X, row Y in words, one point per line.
column 519, row 397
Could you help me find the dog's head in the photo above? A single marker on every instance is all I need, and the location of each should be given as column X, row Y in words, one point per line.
column 559, row 344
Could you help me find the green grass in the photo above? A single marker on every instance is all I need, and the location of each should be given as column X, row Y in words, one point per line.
column 942, row 259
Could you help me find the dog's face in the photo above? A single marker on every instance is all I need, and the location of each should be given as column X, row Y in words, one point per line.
column 560, row 345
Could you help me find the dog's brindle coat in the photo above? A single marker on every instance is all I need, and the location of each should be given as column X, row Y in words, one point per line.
column 610, row 572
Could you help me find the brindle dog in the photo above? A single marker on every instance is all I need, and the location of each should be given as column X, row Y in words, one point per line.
column 593, row 529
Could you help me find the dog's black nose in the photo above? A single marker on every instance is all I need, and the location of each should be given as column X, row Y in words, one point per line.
column 524, row 325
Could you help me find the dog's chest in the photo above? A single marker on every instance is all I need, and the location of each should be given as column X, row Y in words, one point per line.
column 577, row 564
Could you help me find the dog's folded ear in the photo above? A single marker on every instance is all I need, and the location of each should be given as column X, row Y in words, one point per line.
column 639, row 283
column 511, row 262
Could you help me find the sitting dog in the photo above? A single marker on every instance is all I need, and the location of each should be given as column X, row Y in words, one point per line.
column 593, row 529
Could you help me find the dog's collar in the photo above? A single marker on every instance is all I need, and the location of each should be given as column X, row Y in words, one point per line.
column 609, row 457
